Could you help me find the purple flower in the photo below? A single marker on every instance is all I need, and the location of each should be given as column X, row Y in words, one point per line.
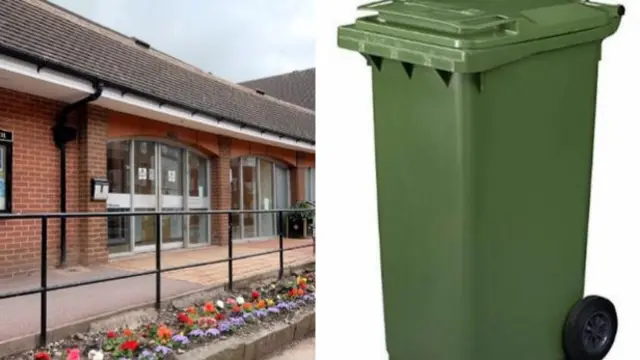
column 181, row 339
column 146, row 354
column 248, row 316
column 213, row 332
column 196, row 332
column 273, row 310
column 284, row 306
column 261, row 313
column 162, row 349
column 224, row 326
column 237, row 321
column 300, row 303
column 308, row 297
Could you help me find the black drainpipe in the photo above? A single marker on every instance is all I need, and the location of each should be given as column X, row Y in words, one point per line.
column 62, row 134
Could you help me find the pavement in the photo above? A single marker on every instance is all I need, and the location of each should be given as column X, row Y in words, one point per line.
column 21, row 316
column 304, row 350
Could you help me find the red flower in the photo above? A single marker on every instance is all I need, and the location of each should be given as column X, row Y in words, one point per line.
column 303, row 286
column 112, row 335
column 127, row 332
column 247, row 306
column 131, row 345
column 293, row 292
column 236, row 309
column 255, row 294
column 183, row 318
column 42, row 356
column 209, row 307
column 219, row 316
column 300, row 292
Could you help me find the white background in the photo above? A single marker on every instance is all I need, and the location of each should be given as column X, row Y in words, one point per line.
column 350, row 321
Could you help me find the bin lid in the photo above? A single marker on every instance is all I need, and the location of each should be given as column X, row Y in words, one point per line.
column 474, row 25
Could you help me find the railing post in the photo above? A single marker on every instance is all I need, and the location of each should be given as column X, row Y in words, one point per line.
column 281, row 243
column 43, row 282
column 230, row 247
column 158, row 263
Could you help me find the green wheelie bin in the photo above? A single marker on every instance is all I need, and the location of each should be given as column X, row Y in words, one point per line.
column 484, row 117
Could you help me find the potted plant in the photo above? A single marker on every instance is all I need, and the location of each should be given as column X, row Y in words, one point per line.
column 299, row 220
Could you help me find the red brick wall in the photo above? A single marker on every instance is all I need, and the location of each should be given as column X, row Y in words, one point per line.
column 92, row 151
column 35, row 180
column 221, row 190
column 36, row 183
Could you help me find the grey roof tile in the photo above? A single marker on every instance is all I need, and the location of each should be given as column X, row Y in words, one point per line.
column 43, row 32
column 297, row 87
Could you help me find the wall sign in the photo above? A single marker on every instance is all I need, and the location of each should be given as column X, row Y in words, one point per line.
column 6, row 161
column 99, row 189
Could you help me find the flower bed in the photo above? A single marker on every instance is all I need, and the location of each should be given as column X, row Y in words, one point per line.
column 179, row 330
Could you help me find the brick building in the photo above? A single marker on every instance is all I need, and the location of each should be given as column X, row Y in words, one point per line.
column 80, row 102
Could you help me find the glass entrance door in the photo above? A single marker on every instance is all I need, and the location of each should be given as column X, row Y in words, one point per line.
column 144, row 192
column 152, row 176
column 267, row 220
column 172, row 194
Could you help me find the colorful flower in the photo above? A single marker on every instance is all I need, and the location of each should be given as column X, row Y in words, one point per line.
column 192, row 310
column 164, row 332
column 73, row 354
column 212, row 332
column 231, row 301
column 240, row 300
column 127, row 332
column 43, row 355
column 112, row 335
column 236, row 309
column 196, row 332
column 219, row 316
column 130, row 345
column 209, row 307
column 95, row 355
column 185, row 319
column 247, row 307
column 261, row 304
column 162, row 350
column 255, row 294
column 181, row 339
column 300, row 292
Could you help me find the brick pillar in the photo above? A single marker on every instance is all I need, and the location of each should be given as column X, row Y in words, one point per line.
column 298, row 176
column 92, row 139
column 221, row 191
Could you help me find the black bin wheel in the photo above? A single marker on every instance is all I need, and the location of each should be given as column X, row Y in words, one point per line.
column 590, row 329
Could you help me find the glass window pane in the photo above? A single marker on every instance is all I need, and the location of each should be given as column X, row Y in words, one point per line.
column 267, row 223
column 249, row 194
column 144, row 167
column 171, row 170
column 197, row 176
column 198, row 229
column 119, row 167
column 235, row 197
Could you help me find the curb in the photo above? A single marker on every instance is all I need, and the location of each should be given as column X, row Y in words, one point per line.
column 30, row 342
column 257, row 346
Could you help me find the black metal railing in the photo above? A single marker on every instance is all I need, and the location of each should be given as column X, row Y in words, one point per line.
column 44, row 288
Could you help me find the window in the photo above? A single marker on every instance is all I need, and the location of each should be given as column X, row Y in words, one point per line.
column 6, row 147
column 257, row 184
column 310, row 186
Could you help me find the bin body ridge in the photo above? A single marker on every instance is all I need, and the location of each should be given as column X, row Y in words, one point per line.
column 483, row 198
